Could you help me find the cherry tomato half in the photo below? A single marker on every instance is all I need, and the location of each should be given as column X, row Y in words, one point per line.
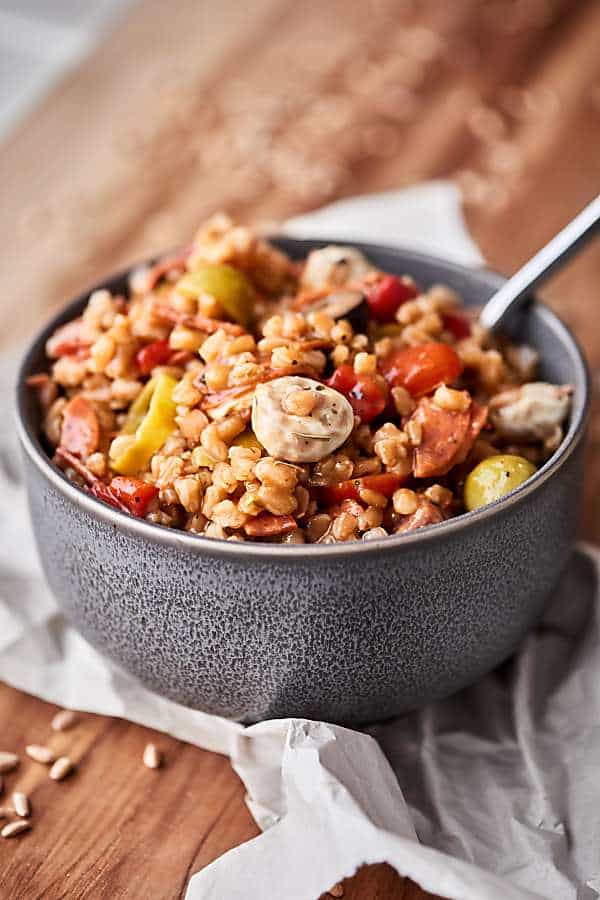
column 367, row 397
column 158, row 353
column 459, row 326
column 423, row 368
column 343, row 379
column 387, row 295
column 385, row 483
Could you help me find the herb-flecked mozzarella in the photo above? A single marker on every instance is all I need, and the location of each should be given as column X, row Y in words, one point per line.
column 333, row 266
column 531, row 412
column 296, row 437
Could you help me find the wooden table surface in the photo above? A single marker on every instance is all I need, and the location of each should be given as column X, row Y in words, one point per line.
column 266, row 110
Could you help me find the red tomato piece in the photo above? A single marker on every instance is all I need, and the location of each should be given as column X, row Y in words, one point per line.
column 343, row 379
column 385, row 483
column 80, row 432
column 387, row 295
column 458, row 325
column 367, row 397
column 133, row 493
column 423, row 368
column 158, row 353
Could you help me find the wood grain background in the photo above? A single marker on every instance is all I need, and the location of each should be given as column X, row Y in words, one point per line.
column 266, row 110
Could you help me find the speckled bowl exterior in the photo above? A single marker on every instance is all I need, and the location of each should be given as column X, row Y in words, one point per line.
column 346, row 633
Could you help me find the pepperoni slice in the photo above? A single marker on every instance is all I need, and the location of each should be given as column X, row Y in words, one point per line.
column 427, row 513
column 443, row 434
column 80, row 432
column 164, row 266
column 67, row 340
column 478, row 419
column 201, row 323
column 268, row 525
column 103, row 491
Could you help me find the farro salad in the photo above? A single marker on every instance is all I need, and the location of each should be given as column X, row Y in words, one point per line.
column 236, row 393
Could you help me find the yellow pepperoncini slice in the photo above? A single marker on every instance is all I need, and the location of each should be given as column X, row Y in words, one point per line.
column 248, row 440
column 139, row 408
column 202, row 460
column 230, row 288
column 152, row 420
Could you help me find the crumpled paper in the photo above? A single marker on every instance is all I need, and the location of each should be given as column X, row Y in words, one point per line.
column 499, row 781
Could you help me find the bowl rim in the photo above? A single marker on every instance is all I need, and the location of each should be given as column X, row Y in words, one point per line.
column 220, row 547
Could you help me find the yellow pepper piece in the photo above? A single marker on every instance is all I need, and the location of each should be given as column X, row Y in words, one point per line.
column 230, row 288
column 246, row 439
column 139, row 408
column 201, row 459
column 152, row 419
column 249, row 440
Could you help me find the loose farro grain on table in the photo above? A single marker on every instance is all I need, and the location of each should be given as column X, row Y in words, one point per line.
column 238, row 394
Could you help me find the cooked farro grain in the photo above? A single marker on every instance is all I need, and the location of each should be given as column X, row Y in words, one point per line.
column 215, row 447
column 374, row 533
column 61, row 768
column 169, row 377
column 366, row 466
column 448, row 398
column 373, row 498
column 15, row 828
column 40, row 754
column 63, row 720
column 340, row 355
column 439, row 495
column 300, row 402
column 21, row 804
column 8, row 761
column 365, row 363
column 344, row 527
column 414, row 430
column 371, row 518
column 152, row 757
column 403, row 402
column 189, row 493
column 405, row 502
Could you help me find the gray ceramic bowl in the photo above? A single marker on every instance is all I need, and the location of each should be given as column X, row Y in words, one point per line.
column 350, row 632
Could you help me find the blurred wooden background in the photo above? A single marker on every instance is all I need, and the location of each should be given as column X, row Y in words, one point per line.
column 267, row 110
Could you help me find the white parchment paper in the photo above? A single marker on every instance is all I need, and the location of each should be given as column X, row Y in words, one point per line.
column 500, row 782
